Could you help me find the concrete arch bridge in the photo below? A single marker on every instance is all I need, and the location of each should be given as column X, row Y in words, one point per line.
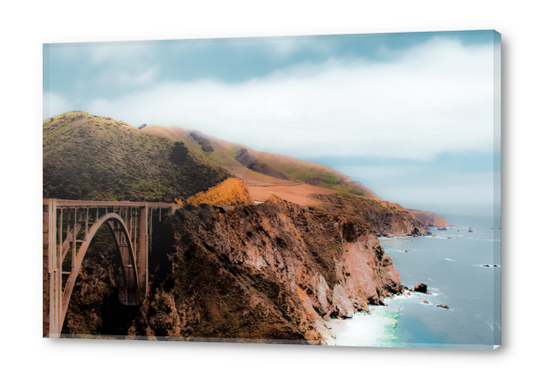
column 68, row 229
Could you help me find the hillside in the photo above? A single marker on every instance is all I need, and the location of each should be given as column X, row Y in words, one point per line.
column 261, row 168
column 95, row 158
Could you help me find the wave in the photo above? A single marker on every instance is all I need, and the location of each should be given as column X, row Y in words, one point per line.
column 376, row 329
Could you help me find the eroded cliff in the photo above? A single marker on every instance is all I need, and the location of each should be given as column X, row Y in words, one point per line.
column 271, row 272
column 430, row 219
column 385, row 218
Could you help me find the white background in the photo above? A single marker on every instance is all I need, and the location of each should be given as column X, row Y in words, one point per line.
column 24, row 27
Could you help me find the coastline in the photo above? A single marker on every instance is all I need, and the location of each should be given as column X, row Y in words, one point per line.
column 470, row 322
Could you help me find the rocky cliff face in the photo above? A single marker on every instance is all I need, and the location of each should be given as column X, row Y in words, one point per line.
column 429, row 219
column 272, row 272
column 385, row 218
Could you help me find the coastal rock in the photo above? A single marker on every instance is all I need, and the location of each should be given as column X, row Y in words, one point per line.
column 421, row 287
column 274, row 271
column 429, row 219
column 343, row 306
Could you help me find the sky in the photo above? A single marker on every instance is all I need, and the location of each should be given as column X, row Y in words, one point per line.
column 412, row 116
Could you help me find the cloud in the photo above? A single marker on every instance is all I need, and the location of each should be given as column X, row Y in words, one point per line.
column 430, row 187
column 412, row 186
column 119, row 52
column 437, row 97
column 54, row 104
column 126, row 78
column 283, row 47
column 380, row 172
column 451, row 188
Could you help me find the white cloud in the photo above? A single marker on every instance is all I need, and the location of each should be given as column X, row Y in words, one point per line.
column 433, row 188
column 458, row 188
column 54, row 104
column 121, row 52
column 283, row 47
column 380, row 172
column 436, row 98
column 127, row 79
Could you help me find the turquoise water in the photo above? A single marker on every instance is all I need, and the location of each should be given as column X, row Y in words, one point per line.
column 453, row 270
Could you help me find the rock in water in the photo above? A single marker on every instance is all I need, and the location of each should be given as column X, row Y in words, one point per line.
column 420, row 288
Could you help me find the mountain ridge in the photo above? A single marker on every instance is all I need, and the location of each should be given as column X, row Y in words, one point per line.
column 231, row 154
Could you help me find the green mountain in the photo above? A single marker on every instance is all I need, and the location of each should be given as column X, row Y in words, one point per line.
column 97, row 158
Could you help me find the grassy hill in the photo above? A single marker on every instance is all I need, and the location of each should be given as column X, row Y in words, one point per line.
column 97, row 158
column 272, row 168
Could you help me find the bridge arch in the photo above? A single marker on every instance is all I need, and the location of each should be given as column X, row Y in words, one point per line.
column 122, row 241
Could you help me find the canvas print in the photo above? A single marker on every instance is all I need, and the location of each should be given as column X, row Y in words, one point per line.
column 326, row 190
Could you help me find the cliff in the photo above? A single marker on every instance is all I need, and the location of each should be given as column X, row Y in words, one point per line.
column 271, row 272
column 385, row 218
column 429, row 219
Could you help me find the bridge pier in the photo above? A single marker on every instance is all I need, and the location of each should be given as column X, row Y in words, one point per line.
column 52, row 263
column 142, row 254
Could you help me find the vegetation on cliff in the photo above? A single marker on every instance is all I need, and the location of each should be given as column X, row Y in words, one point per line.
column 96, row 158
column 231, row 191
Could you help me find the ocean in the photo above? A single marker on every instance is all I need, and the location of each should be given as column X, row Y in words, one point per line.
column 451, row 264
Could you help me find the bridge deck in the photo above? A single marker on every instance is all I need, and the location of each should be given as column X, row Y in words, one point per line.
column 108, row 204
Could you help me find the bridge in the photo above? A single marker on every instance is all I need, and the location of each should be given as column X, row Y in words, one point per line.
column 68, row 229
